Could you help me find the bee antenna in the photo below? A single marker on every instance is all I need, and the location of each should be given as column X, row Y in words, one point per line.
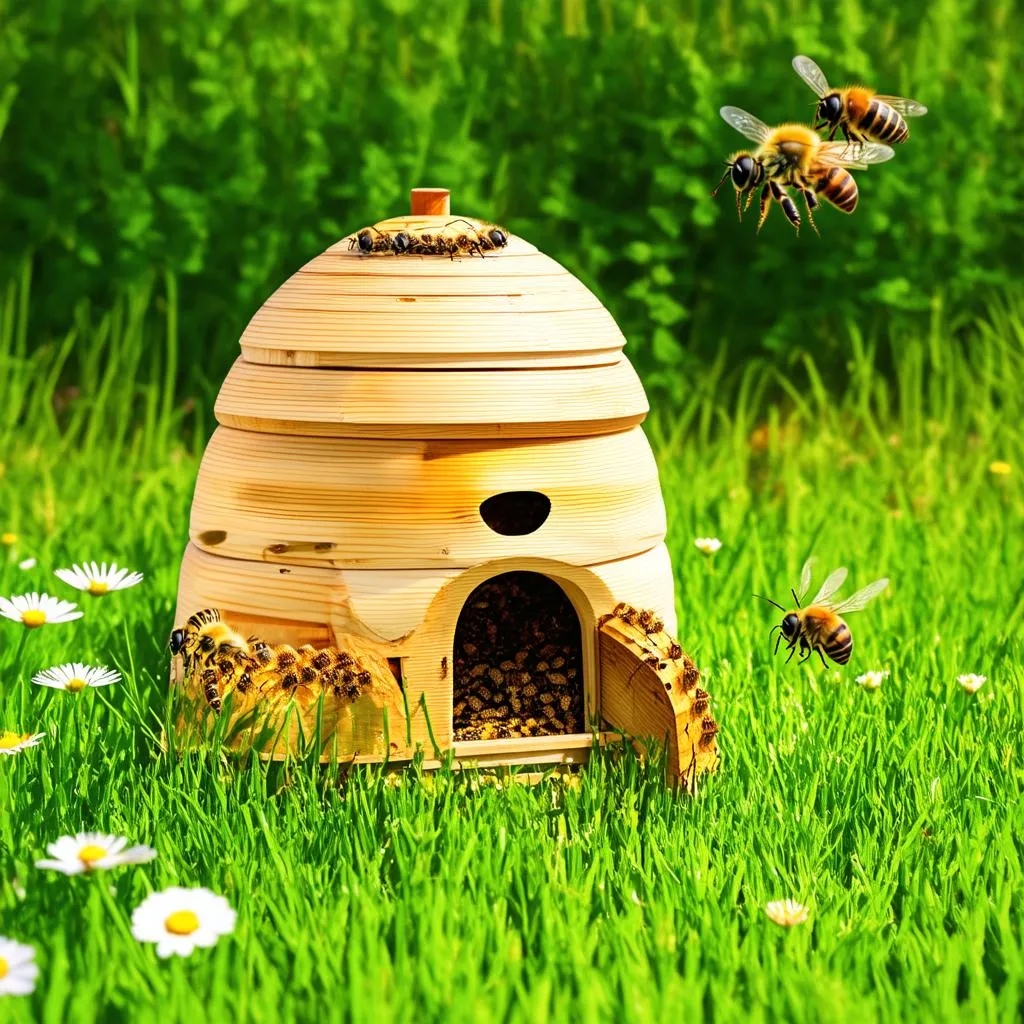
column 795, row 598
column 770, row 601
column 721, row 181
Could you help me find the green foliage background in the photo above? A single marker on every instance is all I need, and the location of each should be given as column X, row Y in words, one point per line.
column 212, row 149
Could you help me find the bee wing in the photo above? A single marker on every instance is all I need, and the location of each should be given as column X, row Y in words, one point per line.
column 855, row 602
column 834, row 581
column 805, row 577
column 746, row 124
column 811, row 74
column 908, row 108
column 853, row 154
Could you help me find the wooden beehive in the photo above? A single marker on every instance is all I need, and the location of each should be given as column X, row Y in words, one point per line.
column 379, row 402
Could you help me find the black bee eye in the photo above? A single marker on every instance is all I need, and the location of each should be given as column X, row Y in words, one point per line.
column 497, row 237
column 790, row 624
column 177, row 641
column 742, row 171
column 402, row 242
column 830, row 107
column 365, row 241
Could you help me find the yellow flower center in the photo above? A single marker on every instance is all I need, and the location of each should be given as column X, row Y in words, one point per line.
column 9, row 740
column 182, row 922
column 3, row 967
column 76, row 684
column 9, row 540
column 88, row 855
column 97, row 588
column 33, row 618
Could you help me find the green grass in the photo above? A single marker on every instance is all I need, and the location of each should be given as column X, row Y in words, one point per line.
column 894, row 814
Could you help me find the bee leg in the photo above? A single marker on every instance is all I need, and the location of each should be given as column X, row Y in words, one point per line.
column 781, row 196
column 822, row 656
column 811, row 201
column 792, row 651
column 766, row 200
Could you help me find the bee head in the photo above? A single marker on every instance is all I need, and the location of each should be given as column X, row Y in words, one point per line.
column 401, row 242
column 790, row 625
column 830, row 107
column 744, row 172
column 365, row 240
column 177, row 641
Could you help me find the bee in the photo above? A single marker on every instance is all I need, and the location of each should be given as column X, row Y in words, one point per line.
column 861, row 113
column 451, row 242
column 819, row 626
column 792, row 155
column 220, row 655
column 397, row 243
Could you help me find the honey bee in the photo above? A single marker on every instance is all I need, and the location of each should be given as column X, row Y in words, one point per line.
column 792, row 155
column 220, row 655
column 397, row 243
column 862, row 114
column 818, row 626
column 226, row 661
column 451, row 241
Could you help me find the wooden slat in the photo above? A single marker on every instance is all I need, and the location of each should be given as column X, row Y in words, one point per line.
column 415, row 504
column 645, row 693
column 510, row 308
column 300, row 604
column 430, row 404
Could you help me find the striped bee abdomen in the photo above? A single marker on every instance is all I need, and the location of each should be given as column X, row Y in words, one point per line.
column 883, row 123
column 839, row 188
column 839, row 644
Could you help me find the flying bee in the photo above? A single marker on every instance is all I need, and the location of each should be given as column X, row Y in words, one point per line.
column 819, row 626
column 792, row 155
column 372, row 240
column 861, row 113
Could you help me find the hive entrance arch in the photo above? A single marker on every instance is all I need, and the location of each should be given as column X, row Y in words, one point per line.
column 518, row 661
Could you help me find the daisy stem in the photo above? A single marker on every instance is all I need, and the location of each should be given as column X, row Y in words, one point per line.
column 23, row 685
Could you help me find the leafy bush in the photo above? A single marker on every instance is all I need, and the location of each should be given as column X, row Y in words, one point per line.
column 220, row 146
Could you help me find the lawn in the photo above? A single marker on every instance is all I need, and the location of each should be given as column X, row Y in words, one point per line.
column 894, row 814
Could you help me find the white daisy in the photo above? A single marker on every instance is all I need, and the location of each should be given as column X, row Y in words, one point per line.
column 15, row 742
column 18, row 968
column 93, row 851
column 26, row 564
column 34, row 610
column 873, row 680
column 707, row 545
column 98, row 580
column 786, row 912
column 178, row 920
column 972, row 683
column 75, row 676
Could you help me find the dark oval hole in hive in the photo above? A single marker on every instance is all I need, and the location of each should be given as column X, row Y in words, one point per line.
column 515, row 513
column 518, row 661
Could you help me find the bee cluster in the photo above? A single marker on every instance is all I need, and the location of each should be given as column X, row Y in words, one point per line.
column 518, row 666
column 224, row 661
column 460, row 237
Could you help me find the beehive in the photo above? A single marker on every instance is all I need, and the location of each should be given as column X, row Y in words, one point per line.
column 398, row 431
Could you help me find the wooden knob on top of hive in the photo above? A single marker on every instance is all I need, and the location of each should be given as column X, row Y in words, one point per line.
column 429, row 462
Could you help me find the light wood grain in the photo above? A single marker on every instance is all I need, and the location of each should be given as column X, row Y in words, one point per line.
column 513, row 307
column 428, row 404
column 306, row 604
column 415, row 338
column 415, row 504
column 649, row 700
